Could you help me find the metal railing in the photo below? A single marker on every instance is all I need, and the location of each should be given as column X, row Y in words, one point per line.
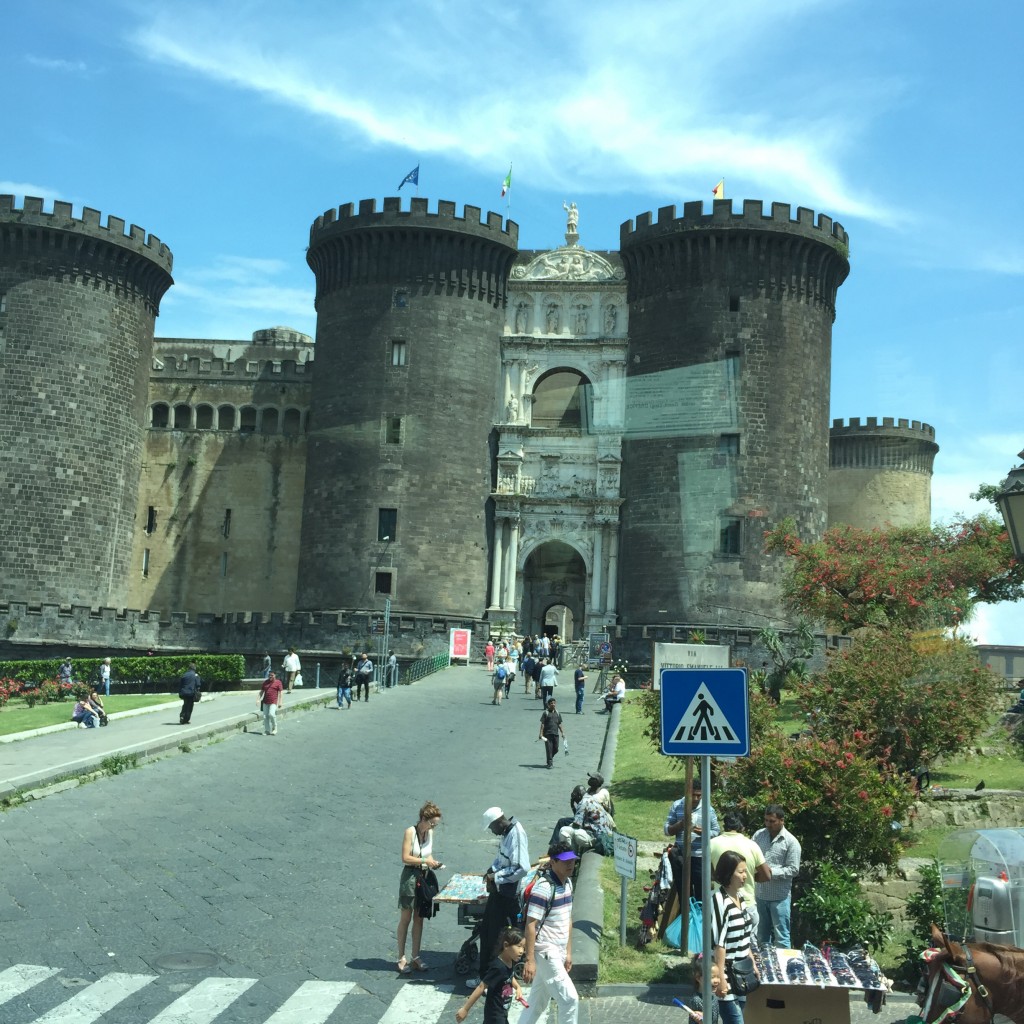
column 424, row 667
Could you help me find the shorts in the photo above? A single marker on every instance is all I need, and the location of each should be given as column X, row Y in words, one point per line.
column 407, row 888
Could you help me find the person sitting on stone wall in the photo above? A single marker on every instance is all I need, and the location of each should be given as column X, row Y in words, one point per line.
column 615, row 694
column 592, row 828
column 84, row 714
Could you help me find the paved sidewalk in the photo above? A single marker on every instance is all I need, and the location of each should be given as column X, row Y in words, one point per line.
column 33, row 761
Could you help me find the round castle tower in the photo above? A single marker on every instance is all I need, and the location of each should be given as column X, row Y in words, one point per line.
column 880, row 474
column 77, row 305
column 410, row 308
column 728, row 373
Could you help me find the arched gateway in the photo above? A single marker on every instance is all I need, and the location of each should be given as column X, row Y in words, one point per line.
column 554, row 574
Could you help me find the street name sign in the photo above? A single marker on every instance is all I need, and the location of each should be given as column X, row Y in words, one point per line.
column 705, row 712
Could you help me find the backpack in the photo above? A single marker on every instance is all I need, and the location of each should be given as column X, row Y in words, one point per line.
column 501, row 672
column 525, row 888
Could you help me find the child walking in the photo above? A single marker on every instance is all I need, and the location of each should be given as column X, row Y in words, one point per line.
column 498, row 981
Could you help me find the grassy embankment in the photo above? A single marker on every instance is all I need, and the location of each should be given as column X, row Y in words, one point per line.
column 16, row 716
column 646, row 783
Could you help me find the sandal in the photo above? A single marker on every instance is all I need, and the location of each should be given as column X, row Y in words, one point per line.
column 418, row 964
column 403, row 966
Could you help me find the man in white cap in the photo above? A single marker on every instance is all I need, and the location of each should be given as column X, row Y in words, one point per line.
column 502, row 880
column 548, row 933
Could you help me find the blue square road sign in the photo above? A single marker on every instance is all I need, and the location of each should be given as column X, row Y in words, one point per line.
column 705, row 712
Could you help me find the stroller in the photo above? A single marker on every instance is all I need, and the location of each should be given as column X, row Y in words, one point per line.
column 468, row 957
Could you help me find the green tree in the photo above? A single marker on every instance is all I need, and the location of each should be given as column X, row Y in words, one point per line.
column 917, row 577
column 789, row 657
column 842, row 802
column 911, row 699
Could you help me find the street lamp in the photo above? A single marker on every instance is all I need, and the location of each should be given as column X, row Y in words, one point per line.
column 1011, row 505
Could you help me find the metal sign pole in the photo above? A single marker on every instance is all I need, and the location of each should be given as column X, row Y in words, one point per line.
column 705, row 892
column 623, row 895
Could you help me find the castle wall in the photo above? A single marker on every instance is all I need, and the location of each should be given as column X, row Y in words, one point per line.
column 880, row 474
column 79, row 301
column 220, row 502
column 407, row 433
column 728, row 365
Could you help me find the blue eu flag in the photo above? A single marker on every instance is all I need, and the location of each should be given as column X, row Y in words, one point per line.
column 412, row 177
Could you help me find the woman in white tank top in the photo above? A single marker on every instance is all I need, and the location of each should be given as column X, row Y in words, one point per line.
column 417, row 857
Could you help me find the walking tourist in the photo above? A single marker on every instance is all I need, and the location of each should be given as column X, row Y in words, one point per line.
column 292, row 667
column 105, row 676
column 190, row 688
column 549, row 940
column 345, row 684
column 364, row 676
column 270, row 696
column 550, row 730
column 499, row 981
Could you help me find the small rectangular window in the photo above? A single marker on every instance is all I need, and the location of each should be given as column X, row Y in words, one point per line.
column 400, row 299
column 734, row 303
column 730, row 535
column 226, row 529
column 3, row 303
column 224, row 564
column 729, row 444
column 382, row 583
column 387, row 524
column 145, row 562
column 393, row 430
column 398, row 353
column 151, row 519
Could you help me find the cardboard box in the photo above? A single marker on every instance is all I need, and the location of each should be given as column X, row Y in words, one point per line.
column 798, row 1004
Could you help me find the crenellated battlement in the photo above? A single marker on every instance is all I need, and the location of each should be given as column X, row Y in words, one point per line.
column 61, row 218
column 349, row 216
column 774, row 257
column 722, row 216
column 889, row 426
column 428, row 253
column 893, row 445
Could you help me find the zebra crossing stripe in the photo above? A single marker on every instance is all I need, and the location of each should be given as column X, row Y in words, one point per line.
column 418, row 1004
column 20, row 978
column 205, row 1001
column 92, row 1002
column 312, row 1003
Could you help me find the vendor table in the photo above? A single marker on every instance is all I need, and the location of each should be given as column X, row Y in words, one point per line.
column 469, row 893
column 811, row 1002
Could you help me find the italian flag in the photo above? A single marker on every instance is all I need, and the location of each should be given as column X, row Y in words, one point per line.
column 507, row 183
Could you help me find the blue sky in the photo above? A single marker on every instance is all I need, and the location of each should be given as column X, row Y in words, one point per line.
column 226, row 126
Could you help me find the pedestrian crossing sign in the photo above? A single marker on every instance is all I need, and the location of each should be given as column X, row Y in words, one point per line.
column 705, row 712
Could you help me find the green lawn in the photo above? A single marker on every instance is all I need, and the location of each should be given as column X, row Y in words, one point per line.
column 646, row 783
column 17, row 717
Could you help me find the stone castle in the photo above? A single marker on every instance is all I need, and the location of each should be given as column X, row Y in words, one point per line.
column 586, row 440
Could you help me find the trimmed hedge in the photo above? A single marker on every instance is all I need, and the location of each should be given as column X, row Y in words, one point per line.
column 212, row 668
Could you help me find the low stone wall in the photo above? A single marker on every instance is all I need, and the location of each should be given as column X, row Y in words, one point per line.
column 951, row 809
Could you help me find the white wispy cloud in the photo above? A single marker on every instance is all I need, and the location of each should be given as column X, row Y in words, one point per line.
column 20, row 189
column 77, row 67
column 236, row 295
column 582, row 105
